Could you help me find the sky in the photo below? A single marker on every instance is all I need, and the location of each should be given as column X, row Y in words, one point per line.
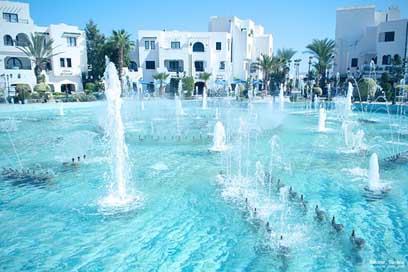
column 293, row 23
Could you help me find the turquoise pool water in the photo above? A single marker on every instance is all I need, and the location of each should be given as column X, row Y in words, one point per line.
column 189, row 218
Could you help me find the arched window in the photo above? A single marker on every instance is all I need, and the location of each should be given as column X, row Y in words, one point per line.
column 22, row 39
column 198, row 47
column 14, row 63
column 8, row 40
column 133, row 66
column 386, row 60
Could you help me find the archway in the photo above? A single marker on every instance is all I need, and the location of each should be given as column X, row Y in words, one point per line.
column 199, row 86
column 198, row 47
column 68, row 88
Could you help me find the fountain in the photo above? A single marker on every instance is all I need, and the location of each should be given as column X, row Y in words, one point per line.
column 115, row 134
column 61, row 109
column 236, row 90
column 353, row 141
column 219, row 138
column 177, row 98
column 281, row 97
column 347, row 104
column 204, row 98
column 375, row 186
column 322, row 120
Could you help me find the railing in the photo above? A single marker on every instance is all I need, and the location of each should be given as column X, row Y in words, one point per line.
column 19, row 21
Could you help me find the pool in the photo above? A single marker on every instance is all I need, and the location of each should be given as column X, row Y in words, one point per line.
column 190, row 216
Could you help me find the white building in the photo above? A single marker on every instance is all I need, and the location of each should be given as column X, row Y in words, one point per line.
column 64, row 70
column 364, row 34
column 226, row 51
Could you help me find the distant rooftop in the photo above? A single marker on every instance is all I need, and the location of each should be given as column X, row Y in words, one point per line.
column 356, row 7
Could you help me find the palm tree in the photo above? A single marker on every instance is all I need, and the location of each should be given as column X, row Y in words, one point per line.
column 323, row 51
column 284, row 57
column 161, row 77
column 205, row 77
column 121, row 41
column 40, row 51
column 266, row 63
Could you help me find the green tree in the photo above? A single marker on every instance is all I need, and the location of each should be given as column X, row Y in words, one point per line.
column 323, row 52
column 385, row 83
column 266, row 63
column 188, row 85
column 121, row 43
column 40, row 51
column 205, row 77
column 95, row 49
column 284, row 58
column 161, row 77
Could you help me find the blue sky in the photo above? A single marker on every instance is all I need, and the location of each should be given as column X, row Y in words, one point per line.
column 293, row 23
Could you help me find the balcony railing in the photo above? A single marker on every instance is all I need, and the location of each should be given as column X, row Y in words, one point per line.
column 19, row 21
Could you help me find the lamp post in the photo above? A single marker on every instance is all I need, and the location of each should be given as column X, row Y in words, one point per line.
column 308, row 77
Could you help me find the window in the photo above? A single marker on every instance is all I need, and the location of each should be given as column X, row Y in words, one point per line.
column 222, row 65
column 72, row 41
column 152, row 45
column 10, row 17
column 133, row 66
column 354, row 62
column 48, row 66
column 199, row 66
column 198, row 47
column 8, row 40
column 22, row 40
column 218, row 46
column 62, row 62
column 173, row 66
column 14, row 63
column 147, row 43
column 69, row 63
column 175, row 45
column 386, row 60
column 386, row 36
column 151, row 65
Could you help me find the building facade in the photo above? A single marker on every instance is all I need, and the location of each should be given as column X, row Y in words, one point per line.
column 364, row 36
column 65, row 68
column 226, row 51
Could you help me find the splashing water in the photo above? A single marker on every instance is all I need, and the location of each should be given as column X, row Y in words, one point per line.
column 219, row 138
column 347, row 105
column 374, row 183
column 204, row 98
column 322, row 120
column 115, row 134
column 61, row 109
column 281, row 98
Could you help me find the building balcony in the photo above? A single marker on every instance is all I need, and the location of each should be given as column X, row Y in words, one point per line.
column 18, row 21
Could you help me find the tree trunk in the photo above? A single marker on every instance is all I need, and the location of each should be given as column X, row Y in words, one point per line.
column 37, row 73
column 120, row 62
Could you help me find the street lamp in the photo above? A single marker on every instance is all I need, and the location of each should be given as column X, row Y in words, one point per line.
column 308, row 77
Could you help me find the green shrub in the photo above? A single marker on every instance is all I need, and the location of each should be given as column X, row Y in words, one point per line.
column 23, row 92
column 84, row 97
column 42, row 88
column 367, row 88
column 89, row 87
column 188, row 85
column 99, row 86
column 23, row 88
column 317, row 91
column 41, row 78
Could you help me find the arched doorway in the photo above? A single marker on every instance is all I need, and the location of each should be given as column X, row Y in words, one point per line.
column 198, row 47
column 199, row 86
column 68, row 88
